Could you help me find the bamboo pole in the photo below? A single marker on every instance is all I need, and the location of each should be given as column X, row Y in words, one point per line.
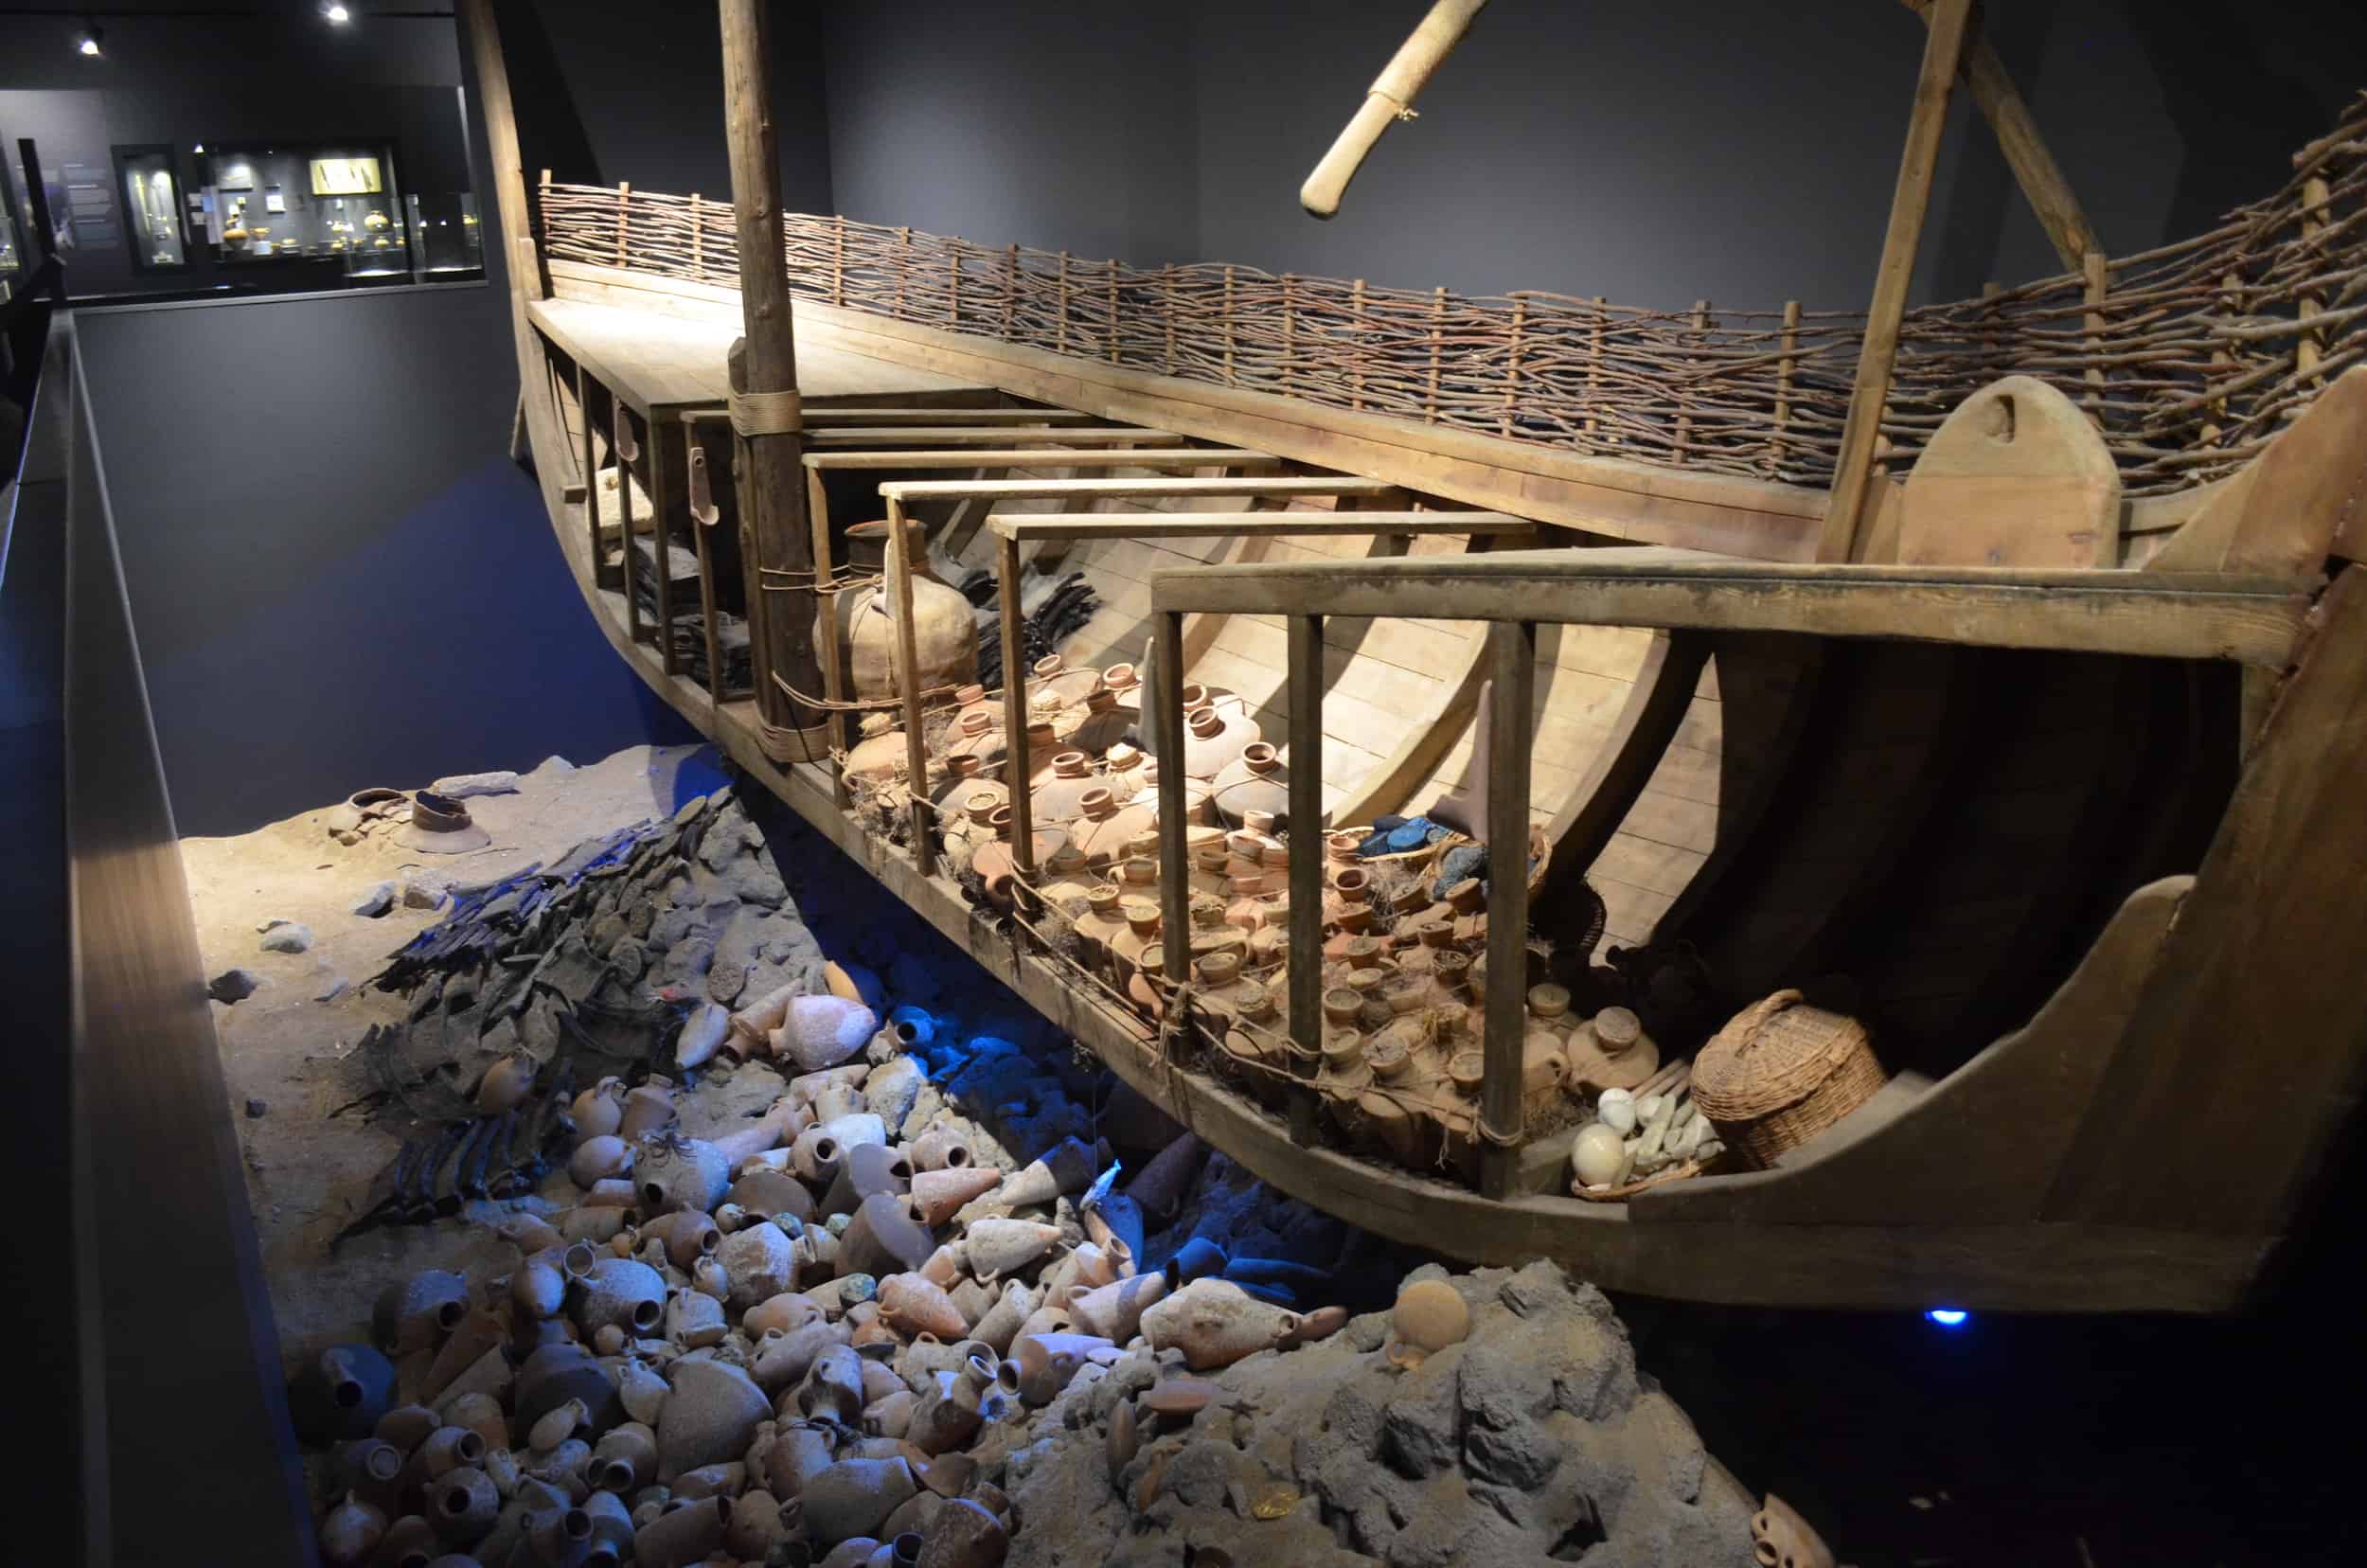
column 773, row 496
column 1942, row 46
column 1304, row 681
column 1511, row 720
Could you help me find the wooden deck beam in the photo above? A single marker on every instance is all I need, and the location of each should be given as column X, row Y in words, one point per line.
column 997, row 434
column 1022, row 457
column 1122, row 490
column 1289, row 524
column 2249, row 620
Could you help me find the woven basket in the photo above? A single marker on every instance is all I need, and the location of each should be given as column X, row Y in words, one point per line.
column 1780, row 1073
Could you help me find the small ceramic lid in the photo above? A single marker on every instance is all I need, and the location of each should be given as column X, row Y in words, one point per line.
column 1122, row 756
column 1617, row 1028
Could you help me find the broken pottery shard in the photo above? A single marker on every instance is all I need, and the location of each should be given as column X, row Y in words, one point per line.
column 459, row 786
column 286, row 936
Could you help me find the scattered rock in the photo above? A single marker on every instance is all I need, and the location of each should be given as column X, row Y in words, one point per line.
column 335, row 986
column 234, row 985
column 460, row 786
column 256, row 1108
column 426, row 889
column 286, row 936
column 377, row 901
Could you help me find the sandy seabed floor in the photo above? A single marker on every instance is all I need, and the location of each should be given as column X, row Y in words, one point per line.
column 311, row 1155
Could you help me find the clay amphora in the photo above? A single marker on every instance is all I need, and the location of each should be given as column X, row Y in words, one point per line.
column 341, row 1393
column 880, row 754
column 1216, row 1322
column 976, row 739
column 1255, row 781
column 1054, row 683
column 1042, row 1364
column 854, row 1497
column 945, row 633
column 941, row 1193
column 682, row 1535
column 1104, row 830
column 1214, row 739
column 1058, row 799
column 1115, row 1312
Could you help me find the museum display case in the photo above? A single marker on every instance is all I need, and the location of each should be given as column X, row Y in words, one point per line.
column 319, row 203
column 445, row 237
column 154, row 221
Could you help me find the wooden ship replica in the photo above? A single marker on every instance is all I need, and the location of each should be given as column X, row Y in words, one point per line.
column 1786, row 807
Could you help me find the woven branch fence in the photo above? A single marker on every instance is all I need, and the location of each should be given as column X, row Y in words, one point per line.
column 2189, row 357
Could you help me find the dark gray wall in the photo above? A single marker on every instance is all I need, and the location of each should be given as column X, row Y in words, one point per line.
column 337, row 576
column 1741, row 152
column 611, row 90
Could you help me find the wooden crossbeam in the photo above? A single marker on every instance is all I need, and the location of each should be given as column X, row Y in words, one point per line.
column 2246, row 619
column 817, row 417
column 1023, row 457
column 1121, row 490
column 1025, row 526
column 917, row 435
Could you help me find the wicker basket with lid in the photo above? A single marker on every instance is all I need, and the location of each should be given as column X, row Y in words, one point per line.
column 1781, row 1072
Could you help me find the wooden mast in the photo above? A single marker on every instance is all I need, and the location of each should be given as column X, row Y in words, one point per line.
column 764, row 404
column 2050, row 194
column 1942, row 48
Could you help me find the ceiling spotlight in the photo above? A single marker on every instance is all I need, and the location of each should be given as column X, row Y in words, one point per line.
column 338, row 16
column 87, row 43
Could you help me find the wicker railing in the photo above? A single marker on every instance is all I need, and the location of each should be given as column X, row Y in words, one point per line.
column 2189, row 357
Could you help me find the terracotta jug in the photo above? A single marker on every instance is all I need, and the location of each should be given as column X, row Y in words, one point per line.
column 1103, row 724
column 992, row 862
column 1055, row 683
column 1060, row 798
column 1255, row 781
column 881, row 754
column 1215, row 738
column 1104, row 830
column 1125, row 777
column 977, row 736
column 1125, row 684
column 945, row 633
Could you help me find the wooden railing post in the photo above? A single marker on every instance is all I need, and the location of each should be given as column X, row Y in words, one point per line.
column 624, row 219
column 1512, row 364
column 1165, row 698
column 772, row 494
column 1304, row 681
column 1228, row 325
column 1019, row 762
column 1289, row 335
column 1784, row 368
column 1437, row 345
column 2309, row 347
column 698, row 240
column 1059, row 328
column 1685, row 398
column 1594, row 363
column 1113, row 310
column 1166, row 311
column 1512, row 674
column 2095, row 278
column 905, row 648
column 1943, row 47
column 1356, row 358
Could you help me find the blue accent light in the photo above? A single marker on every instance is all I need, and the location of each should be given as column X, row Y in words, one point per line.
column 1949, row 1317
